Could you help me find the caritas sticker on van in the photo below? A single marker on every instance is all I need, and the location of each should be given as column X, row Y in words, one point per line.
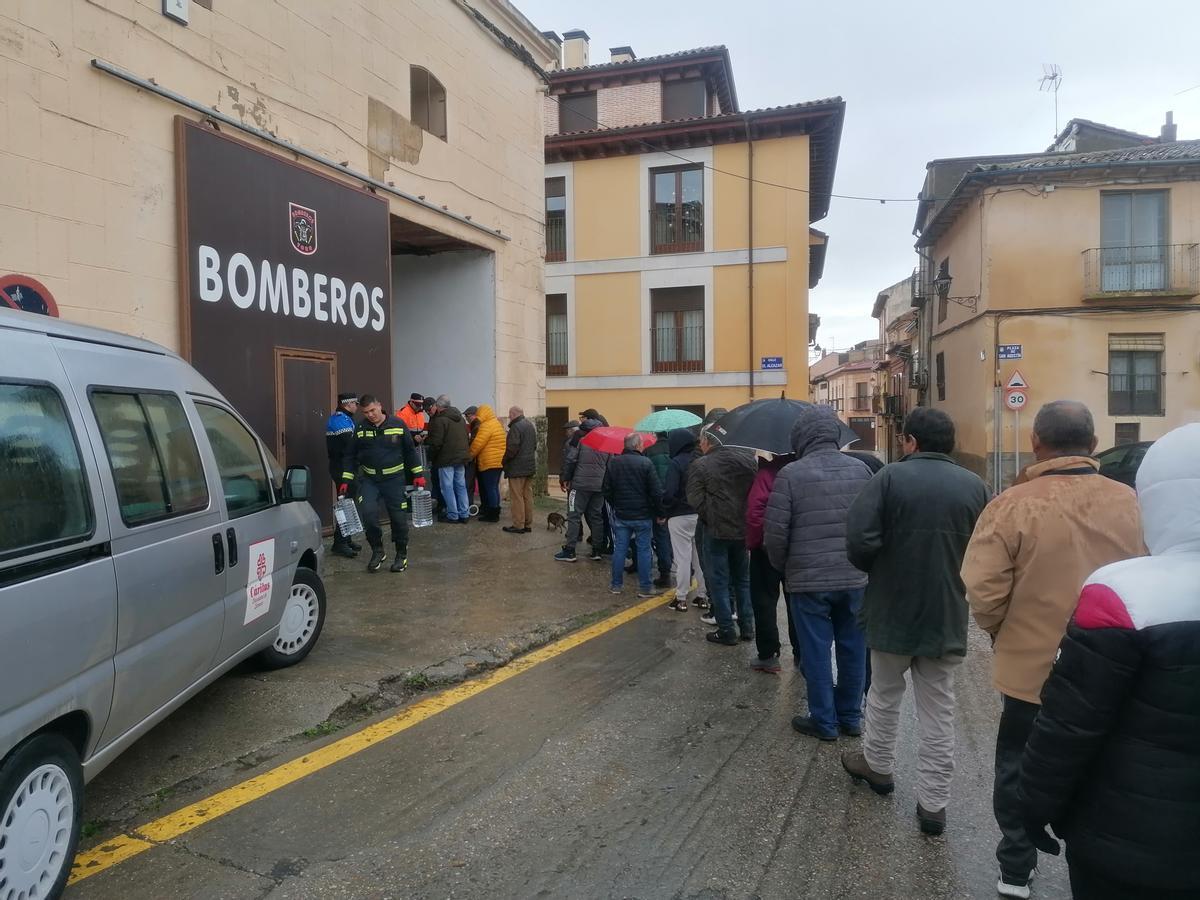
column 258, row 579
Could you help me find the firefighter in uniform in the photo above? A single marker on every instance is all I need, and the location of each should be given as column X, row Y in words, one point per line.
column 383, row 450
column 339, row 443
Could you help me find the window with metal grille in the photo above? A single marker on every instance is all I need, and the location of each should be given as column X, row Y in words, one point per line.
column 862, row 399
column 556, row 219
column 1127, row 433
column 577, row 112
column 677, row 329
column 428, row 101
column 677, row 209
column 556, row 334
column 939, row 363
column 1135, row 376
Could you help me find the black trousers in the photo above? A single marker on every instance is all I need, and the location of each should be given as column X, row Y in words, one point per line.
column 1016, row 855
column 390, row 492
column 1090, row 884
column 765, row 584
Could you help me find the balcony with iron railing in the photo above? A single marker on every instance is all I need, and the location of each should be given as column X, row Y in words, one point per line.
column 861, row 403
column 556, row 238
column 1156, row 270
column 677, row 229
column 556, row 353
column 677, row 349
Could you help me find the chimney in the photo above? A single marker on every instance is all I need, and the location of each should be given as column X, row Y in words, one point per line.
column 553, row 38
column 621, row 54
column 1170, row 131
column 575, row 49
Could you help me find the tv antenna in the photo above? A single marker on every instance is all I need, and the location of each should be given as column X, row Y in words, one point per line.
column 1050, row 81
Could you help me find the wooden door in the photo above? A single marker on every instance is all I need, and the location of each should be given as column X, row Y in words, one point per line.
column 556, row 421
column 864, row 427
column 305, row 397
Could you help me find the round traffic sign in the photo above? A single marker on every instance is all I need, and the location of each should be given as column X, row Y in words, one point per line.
column 1015, row 399
column 27, row 294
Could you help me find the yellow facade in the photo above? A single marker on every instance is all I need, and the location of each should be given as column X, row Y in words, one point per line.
column 609, row 276
column 1020, row 251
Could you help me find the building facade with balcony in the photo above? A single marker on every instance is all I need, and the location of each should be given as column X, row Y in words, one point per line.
column 897, row 387
column 848, row 381
column 679, row 253
column 1078, row 271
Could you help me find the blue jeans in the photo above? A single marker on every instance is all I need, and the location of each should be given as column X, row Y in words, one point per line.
column 824, row 618
column 453, row 480
column 726, row 571
column 625, row 530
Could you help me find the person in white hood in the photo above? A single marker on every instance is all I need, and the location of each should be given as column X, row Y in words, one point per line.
column 1114, row 759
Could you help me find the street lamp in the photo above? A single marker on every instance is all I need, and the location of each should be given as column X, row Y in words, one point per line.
column 941, row 284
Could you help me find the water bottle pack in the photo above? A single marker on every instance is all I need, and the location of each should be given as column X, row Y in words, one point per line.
column 345, row 513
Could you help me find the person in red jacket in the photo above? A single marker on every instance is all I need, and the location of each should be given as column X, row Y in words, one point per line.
column 765, row 579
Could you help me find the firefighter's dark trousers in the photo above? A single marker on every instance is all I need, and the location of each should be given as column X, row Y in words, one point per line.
column 390, row 493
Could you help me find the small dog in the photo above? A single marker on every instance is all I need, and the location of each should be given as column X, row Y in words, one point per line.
column 555, row 522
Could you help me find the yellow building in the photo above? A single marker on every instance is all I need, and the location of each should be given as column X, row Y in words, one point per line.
column 1076, row 273
column 679, row 252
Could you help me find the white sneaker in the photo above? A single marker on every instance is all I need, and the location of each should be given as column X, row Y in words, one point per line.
column 709, row 618
column 1019, row 891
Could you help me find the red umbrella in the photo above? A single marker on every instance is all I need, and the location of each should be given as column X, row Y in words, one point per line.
column 611, row 439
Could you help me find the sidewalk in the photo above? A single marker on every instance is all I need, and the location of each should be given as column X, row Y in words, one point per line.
column 472, row 598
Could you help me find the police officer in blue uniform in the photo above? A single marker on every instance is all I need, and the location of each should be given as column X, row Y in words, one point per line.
column 339, row 443
column 383, row 450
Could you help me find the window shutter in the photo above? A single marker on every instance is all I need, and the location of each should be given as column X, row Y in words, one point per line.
column 1149, row 342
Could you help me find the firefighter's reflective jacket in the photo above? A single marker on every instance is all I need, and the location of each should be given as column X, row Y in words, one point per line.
column 383, row 452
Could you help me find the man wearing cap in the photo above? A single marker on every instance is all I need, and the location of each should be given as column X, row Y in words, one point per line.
column 339, row 444
column 412, row 414
column 594, row 416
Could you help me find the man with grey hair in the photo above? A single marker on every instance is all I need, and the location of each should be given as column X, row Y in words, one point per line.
column 520, row 464
column 632, row 489
column 1032, row 550
column 449, row 450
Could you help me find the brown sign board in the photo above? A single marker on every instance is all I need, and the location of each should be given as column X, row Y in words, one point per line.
column 280, row 262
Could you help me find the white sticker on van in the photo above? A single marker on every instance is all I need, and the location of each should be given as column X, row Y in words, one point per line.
column 258, row 579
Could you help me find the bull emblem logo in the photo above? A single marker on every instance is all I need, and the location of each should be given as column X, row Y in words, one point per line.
column 303, row 228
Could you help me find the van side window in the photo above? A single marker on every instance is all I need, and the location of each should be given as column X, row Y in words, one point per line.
column 243, row 478
column 155, row 463
column 42, row 483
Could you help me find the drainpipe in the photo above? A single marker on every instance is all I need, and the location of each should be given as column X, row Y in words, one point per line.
column 998, row 413
column 750, row 247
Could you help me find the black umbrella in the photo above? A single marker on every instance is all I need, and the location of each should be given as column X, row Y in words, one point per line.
column 767, row 425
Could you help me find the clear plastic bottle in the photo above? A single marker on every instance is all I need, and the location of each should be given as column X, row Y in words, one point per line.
column 420, row 503
column 345, row 512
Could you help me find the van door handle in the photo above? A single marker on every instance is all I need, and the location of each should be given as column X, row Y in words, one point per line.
column 218, row 554
column 231, row 537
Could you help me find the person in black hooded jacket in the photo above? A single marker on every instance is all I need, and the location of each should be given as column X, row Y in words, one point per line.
column 681, row 520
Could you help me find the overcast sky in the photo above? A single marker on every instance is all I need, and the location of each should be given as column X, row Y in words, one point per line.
column 921, row 80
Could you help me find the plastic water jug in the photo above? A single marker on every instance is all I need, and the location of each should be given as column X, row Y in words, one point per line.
column 420, row 502
column 345, row 513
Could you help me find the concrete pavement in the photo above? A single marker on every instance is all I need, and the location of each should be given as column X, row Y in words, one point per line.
column 644, row 763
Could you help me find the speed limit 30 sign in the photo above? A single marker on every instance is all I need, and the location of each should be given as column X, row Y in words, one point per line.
column 1015, row 399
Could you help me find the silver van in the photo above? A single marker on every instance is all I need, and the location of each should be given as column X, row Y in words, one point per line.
column 148, row 543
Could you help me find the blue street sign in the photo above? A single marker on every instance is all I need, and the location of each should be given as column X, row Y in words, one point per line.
column 772, row 362
column 1008, row 351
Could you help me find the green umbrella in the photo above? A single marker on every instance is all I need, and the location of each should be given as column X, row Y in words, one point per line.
column 667, row 420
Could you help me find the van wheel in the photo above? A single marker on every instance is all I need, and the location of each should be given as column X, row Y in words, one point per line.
column 41, row 800
column 303, row 618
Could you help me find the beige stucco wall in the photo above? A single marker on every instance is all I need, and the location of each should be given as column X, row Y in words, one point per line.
column 605, row 208
column 87, row 162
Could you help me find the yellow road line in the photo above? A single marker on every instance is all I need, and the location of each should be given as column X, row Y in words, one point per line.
column 169, row 827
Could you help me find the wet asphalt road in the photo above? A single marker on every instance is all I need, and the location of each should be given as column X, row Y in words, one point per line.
column 643, row 764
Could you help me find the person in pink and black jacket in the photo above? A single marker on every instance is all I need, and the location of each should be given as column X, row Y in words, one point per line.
column 765, row 580
column 1113, row 762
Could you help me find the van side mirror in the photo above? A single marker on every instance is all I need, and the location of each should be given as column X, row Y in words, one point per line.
column 295, row 484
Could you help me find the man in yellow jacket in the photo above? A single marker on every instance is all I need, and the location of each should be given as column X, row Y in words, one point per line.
column 487, row 450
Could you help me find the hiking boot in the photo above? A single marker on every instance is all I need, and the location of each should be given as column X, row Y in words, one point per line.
column 709, row 618
column 931, row 822
column 727, row 639
column 377, row 559
column 678, row 605
column 856, row 767
column 1014, row 886
column 805, row 725
column 770, row 665
column 566, row 554
column 400, row 564
column 344, row 550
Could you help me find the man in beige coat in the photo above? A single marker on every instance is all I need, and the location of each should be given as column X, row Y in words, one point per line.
column 1032, row 550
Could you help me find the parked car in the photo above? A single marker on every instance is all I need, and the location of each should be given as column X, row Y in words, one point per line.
column 1121, row 463
column 148, row 543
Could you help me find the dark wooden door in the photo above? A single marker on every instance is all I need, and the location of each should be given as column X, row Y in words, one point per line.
column 306, row 398
column 863, row 426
